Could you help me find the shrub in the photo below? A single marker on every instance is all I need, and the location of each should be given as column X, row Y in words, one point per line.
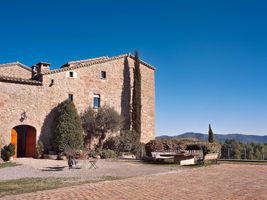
column 8, row 151
column 126, row 142
column 68, row 131
column 81, row 154
column 107, row 153
column 78, row 154
column 39, row 149
column 129, row 142
column 93, row 154
column 113, row 143
column 104, row 153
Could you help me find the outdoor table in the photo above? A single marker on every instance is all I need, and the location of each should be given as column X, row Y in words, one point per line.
column 93, row 163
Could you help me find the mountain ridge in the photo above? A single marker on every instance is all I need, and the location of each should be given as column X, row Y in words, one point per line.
column 219, row 137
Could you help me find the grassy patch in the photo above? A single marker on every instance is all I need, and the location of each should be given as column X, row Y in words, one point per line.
column 8, row 164
column 25, row 185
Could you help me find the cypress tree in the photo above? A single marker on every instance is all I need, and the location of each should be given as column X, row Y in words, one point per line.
column 211, row 135
column 136, row 99
column 68, row 132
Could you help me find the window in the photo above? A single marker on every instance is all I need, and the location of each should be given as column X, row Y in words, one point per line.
column 103, row 75
column 96, row 101
column 70, row 97
column 71, row 74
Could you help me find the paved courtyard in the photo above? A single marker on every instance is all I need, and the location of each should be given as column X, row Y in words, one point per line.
column 224, row 181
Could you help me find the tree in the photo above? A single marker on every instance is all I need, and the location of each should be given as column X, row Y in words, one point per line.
column 97, row 123
column 89, row 126
column 211, row 135
column 68, row 132
column 136, row 100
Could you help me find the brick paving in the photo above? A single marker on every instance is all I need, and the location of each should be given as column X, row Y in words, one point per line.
column 224, row 181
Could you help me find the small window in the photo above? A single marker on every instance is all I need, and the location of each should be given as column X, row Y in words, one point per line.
column 70, row 97
column 103, row 75
column 96, row 101
column 71, row 74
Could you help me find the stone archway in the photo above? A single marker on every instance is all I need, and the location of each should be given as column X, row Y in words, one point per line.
column 24, row 139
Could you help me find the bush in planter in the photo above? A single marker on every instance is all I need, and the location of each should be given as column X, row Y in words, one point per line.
column 8, row 151
column 163, row 145
column 153, row 145
column 171, row 144
column 39, row 149
column 211, row 148
column 206, row 147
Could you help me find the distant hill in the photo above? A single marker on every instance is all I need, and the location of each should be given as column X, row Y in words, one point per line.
column 219, row 137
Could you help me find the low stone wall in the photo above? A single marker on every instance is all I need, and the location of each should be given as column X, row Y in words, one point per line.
column 211, row 156
column 191, row 161
column 183, row 159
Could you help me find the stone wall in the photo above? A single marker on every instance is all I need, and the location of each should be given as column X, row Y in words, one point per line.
column 116, row 91
column 14, row 100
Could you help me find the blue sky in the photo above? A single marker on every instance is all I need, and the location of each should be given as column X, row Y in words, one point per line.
column 211, row 56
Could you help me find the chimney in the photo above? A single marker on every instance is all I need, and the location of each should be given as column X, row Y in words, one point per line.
column 39, row 69
column 42, row 67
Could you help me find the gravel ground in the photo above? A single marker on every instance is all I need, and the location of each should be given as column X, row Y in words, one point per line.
column 56, row 168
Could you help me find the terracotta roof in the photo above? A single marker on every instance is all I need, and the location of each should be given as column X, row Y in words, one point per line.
column 16, row 64
column 143, row 62
column 94, row 61
column 19, row 80
column 83, row 61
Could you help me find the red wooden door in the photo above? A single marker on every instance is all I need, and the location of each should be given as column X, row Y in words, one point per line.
column 14, row 140
column 30, row 142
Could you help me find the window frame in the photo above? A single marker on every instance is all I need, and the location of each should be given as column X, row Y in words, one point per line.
column 103, row 75
column 70, row 97
column 96, row 97
column 71, row 74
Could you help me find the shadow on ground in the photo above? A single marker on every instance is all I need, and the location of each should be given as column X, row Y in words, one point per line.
column 53, row 169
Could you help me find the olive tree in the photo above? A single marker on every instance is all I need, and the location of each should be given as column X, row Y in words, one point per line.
column 98, row 123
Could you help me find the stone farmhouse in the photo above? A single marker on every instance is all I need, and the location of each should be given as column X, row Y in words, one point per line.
column 29, row 95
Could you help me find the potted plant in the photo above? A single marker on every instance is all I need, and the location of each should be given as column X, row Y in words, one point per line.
column 8, row 152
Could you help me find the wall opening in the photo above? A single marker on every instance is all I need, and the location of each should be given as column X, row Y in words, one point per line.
column 24, row 139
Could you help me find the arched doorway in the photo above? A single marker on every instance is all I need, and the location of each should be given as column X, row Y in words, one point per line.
column 24, row 139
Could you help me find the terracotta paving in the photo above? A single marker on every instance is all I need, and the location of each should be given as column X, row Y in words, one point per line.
column 224, row 181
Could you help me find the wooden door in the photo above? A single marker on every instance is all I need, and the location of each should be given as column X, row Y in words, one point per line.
column 30, row 142
column 14, row 140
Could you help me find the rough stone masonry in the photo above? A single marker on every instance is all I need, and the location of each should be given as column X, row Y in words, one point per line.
column 28, row 96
